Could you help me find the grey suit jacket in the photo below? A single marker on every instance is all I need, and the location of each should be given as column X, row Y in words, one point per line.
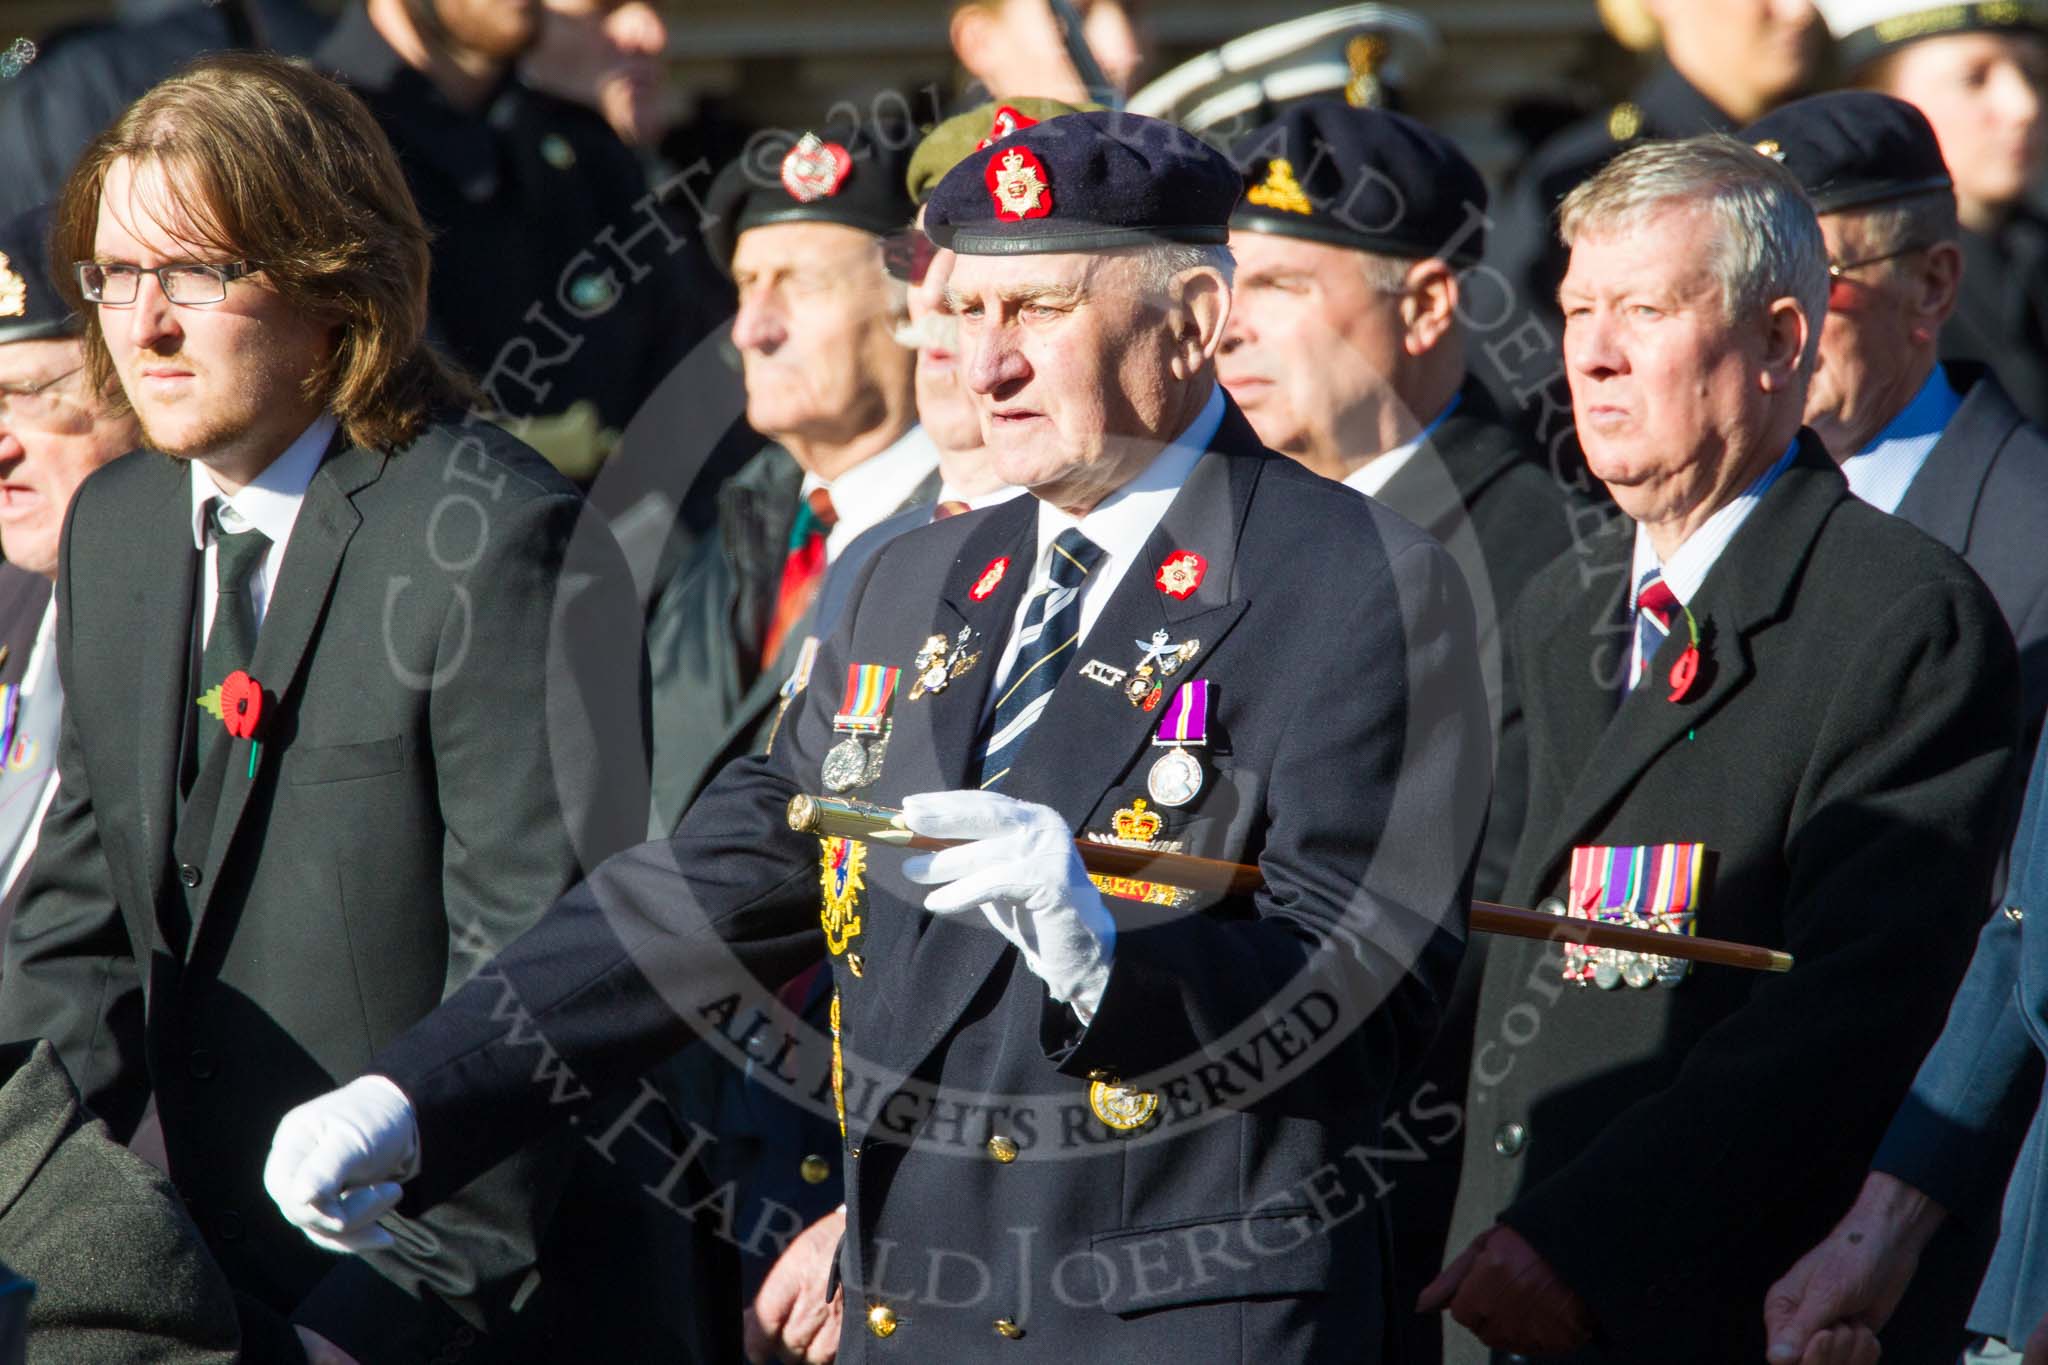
column 120, row 1273
column 1984, row 494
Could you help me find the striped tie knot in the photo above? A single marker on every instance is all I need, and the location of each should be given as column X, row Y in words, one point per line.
column 1045, row 646
column 1656, row 606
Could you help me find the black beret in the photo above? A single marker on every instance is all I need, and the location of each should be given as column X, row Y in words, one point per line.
column 1362, row 178
column 1085, row 182
column 838, row 174
column 1852, row 148
column 1867, row 29
column 31, row 309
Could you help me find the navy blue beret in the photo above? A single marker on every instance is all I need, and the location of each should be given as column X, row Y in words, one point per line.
column 841, row 173
column 1085, row 182
column 31, row 309
column 1852, row 148
column 1363, row 178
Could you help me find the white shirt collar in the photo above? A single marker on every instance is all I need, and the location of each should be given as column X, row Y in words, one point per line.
column 1376, row 473
column 1695, row 559
column 1123, row 521
column 875, row 489
column 1882, row 471
column 1000, row 493
column 270, row 501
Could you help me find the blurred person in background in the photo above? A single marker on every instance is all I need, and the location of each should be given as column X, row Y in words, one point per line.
column 607, row 54
column 1019, row 47
column 1977, row 73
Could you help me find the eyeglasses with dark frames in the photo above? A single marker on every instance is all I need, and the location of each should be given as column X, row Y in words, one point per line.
column 116, row 286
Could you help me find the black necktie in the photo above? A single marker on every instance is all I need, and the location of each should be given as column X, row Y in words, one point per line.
column 232, row 641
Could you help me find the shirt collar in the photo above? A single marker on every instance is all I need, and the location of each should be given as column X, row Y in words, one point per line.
column 1694, row 559
column 270, row 501
column 1881, row 472
column 1122, row 522
column 876, row 488
column 1000, row 493
column 1376, row 473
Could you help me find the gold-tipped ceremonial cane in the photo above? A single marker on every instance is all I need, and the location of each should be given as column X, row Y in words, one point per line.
column 824, row 815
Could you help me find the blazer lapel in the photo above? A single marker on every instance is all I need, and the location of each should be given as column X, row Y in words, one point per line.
column 164, row 702
column 1086, row 737
column 1748, row 587
column 1942, row 499
column 327, row 519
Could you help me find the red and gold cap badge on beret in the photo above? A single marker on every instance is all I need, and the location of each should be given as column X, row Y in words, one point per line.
column 1017, row 182
column 815, row 169
column 1006, row 122
column 13, row 289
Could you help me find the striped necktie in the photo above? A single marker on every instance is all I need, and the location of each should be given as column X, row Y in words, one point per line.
column 1045, row 646
column 1656, row 604
column 803, row 570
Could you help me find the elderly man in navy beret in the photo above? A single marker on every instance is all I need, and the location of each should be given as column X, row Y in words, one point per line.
column 1110, row 1116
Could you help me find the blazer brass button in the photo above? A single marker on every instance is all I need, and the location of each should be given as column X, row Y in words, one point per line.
column 1008, row 1329
column 1002, row 1149
column 882, row 1320
column 188, row 873
column 1510, row 1138
column 2015, row 914
column 855, row 965
column 814, row 1169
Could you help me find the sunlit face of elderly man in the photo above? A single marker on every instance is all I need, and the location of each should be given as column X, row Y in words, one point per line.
column 1084, row 364
column 1692, row 305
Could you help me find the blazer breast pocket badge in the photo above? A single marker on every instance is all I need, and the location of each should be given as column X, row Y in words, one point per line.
column 1643, row 886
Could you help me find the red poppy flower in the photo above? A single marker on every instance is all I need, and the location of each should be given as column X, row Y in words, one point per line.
column 241, row 704
column 1684, row 672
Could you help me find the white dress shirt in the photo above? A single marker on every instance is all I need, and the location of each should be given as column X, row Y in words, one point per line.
column 875, row 489
column 1694, row 559
column 1121, row 524
column 1882, row 471
column 269, row 503
column 1376, row 473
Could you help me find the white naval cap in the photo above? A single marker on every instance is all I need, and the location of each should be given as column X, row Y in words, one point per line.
column 1864, row 29
column 1358, row 50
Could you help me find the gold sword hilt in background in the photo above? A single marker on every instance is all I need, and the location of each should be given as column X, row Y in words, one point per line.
column 835, row 817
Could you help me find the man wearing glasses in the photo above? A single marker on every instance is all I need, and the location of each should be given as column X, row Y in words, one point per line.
column 54, row 430
column 342, row 671
column 1942, row 445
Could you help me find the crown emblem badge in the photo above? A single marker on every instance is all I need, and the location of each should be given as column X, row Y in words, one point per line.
column 1016, row 180
column 1136, row 823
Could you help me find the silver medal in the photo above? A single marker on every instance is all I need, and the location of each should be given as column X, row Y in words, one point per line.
column 1639, row 972
column 846, row 765
column 1176, row 778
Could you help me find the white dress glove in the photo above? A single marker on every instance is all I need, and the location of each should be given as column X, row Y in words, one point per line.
column 336, row 1161
column 1024, row 873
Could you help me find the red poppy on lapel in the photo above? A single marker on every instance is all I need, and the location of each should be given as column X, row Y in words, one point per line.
column 1181, row 574
column 1684, row 672
column 241, row 704
column 990, row 577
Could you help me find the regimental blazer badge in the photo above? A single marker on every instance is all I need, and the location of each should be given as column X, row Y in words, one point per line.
column 1135, row 826
column 841, row 865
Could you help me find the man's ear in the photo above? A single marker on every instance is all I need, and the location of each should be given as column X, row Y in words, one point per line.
column 1429, row 307
column 973, row 31
column 1939, row 284
column 1786, row 330
column 1201, row 310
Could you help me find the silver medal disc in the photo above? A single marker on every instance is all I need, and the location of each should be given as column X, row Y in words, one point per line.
column 1639, row 972
column 1606, row 973
column 846, row 765
column 1175, row 779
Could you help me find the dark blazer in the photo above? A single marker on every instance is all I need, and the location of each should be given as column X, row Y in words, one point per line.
column 1984, row 493
column 1254, row 1227
column 1976, row 1100
column 119, row 1270
column 1479, row 489
column 450, row 658
column 1671, row 1151
column 23, row 599
column 712, row 698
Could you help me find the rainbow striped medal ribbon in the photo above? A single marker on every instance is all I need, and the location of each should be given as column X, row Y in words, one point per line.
column 863, row 712
column 1176, row 776
column 10, row 717
column 1643, row 886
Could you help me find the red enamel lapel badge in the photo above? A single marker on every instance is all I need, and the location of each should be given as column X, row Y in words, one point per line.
column 990, row 577
column 815, row 169
column 1181, row 574
column 1017, row 182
